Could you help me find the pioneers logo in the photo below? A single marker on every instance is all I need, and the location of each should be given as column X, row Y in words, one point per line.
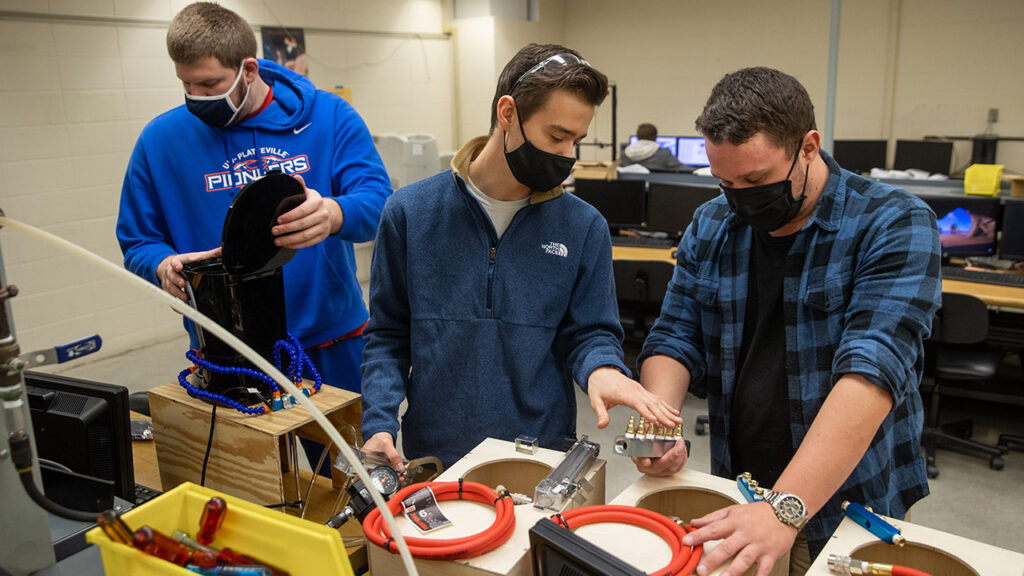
column 247, row 166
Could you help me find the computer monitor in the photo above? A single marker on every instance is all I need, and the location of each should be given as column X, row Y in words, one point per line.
column 692, row 151
column 860, row 156
column 932, row 156
column 621, row 202
column 1011, row 242
column 666, row 142
column 82, row 426
column 670, row 207
column 557, row 551
column 967, row 225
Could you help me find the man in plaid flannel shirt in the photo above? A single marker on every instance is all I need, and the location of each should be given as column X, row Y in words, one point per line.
column 799, row 304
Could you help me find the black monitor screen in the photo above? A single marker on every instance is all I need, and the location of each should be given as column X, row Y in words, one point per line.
column 666, row 142
column 84, row 427
column 967, row 226
column 670, row 207
column 1011, row 244
column 692, row 151
column 621, row 202
column 860, row 155
column 932, row 156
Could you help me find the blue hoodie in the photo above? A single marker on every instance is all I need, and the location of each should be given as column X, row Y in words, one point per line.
column 494, row 331
column 183, row 175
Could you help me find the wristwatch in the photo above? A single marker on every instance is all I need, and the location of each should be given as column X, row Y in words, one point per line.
column 789, row 508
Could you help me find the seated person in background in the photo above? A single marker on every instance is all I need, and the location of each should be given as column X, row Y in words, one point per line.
column 491, row 290
column 647, row 153
column 799, row 306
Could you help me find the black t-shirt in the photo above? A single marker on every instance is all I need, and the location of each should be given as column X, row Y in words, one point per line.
column 760, row 441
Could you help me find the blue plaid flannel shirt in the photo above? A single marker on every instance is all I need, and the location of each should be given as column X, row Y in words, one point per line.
column 861, row 287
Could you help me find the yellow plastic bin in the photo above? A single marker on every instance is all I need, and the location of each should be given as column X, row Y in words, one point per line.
column 983, row 179
column 299, row 546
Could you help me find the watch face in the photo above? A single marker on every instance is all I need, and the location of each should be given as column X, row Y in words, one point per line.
column 791, row 510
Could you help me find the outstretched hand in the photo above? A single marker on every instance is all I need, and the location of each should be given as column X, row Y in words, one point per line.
column 749, row 534
column 608, row 388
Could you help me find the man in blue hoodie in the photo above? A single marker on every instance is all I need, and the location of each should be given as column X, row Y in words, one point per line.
column 243, row 117
column 491, row 290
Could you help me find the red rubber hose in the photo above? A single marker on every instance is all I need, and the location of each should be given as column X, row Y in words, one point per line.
column 453, row 548
column 684, row 558
column 904, row 571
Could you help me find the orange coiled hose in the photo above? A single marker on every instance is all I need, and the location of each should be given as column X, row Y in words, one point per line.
column 684, row 558
column 436, row 549
column 904, row 571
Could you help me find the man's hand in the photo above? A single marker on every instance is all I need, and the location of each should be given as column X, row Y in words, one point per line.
column 308, row 223
column 669, row 463
column 168, row 271
column 749, row 533
column 384, row 443
column 608, row 388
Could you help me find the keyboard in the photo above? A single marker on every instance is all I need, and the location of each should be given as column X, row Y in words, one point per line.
column 644, row 242
column 983, row 276
column 144, row 494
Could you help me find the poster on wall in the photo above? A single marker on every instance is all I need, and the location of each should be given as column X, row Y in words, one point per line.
column 287, row 47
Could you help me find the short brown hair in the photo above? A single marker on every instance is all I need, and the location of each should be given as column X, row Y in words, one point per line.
column 207, row 29
column 646, row 131
column 531, row 91
column 754, row 100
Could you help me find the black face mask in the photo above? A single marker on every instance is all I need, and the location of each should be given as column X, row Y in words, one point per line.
column 770, row 206
column 536, row 169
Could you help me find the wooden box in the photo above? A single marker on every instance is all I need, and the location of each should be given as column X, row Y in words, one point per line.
column 491, row 463
column 250, row 455
column 687, row 494
column 928, row 550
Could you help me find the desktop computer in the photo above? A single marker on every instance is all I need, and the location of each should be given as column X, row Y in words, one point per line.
column 692, row 151
column 932, row 156
column 967, row 225
column 670, row 207
column 860, row 156
column 621, row 202
column 1011, row 241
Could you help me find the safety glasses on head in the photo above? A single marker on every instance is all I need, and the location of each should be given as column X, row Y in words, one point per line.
column 561, row 60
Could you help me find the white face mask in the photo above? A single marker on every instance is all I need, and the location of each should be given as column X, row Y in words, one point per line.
column 217, row 111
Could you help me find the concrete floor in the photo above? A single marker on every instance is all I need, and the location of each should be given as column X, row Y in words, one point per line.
column 968, row 498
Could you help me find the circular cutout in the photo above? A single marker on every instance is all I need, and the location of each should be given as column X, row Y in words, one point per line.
column 917, row 556
column 520, row 476
column 684, row 503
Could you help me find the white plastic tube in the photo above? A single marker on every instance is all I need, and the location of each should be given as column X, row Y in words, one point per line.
column 230, row 339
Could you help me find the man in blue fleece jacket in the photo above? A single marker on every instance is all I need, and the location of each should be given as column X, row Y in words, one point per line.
column 491, row 290
column 243, row 117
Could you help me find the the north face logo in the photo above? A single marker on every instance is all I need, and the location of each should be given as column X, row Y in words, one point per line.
column 556, row 248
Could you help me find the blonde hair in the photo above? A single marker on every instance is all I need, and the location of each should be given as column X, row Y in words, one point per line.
column 207, row 29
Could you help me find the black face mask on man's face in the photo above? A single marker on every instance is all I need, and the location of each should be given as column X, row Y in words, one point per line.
column 536, row 169
column 770, row 206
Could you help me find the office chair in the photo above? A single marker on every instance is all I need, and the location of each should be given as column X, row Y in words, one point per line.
column 640, row 288
column 139, row 402
column 961, row 322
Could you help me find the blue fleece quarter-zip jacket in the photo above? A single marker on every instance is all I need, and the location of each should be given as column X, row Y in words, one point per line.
column 485, row 337
column 183, row 175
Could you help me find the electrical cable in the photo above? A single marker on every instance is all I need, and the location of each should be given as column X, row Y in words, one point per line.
column 454, row 548
column 21, row 455
column 231, row 340
column 209, row 444
column 684, row 558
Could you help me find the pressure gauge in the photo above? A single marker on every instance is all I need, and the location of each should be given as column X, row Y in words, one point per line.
column 385, row 480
